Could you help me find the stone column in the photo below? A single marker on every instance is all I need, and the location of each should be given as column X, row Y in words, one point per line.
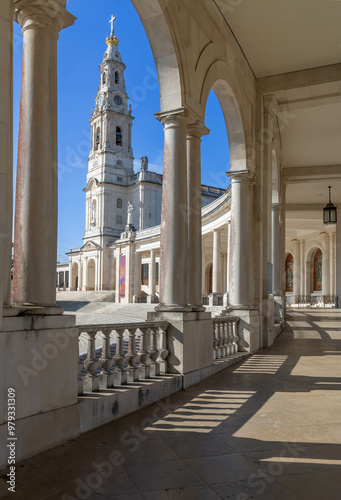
column 276, row 250
column 85, row 274
column 194, row 276
column 325, row 264
column 137, row 276
column 226, row 294
column 297, row 269
column 79, row 287
column 338, row 258
column 151, row 277
column 70, row 275
column 174, row 221
column 216, row 268
column 118, row 266
column 6, row 162
column 332, row 262
column 203, row 261
column 241, row 238
column 35, row 249
column 302, row 270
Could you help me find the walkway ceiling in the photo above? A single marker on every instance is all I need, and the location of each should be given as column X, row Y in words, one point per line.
column 283, row 41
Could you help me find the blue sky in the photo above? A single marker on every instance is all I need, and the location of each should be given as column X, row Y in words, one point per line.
column 80, row 51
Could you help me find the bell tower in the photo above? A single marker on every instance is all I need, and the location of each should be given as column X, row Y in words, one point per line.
column 111, row 157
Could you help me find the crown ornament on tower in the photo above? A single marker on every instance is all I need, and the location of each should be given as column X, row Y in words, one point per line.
column 112, row 39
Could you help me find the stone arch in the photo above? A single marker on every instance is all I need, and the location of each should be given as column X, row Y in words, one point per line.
column 158, row 32
column 75, row 276
column 221, row 81
column 91, row 274
column 289, row 272
column 316, row 248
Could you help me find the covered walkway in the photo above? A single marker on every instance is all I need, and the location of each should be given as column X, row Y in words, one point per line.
column 267, row 428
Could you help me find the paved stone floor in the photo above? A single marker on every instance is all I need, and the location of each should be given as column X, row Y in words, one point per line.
column 267, row 428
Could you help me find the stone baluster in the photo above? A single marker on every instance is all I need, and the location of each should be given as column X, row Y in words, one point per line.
column 235, row 338
column 226, row 338
column 163, row 351
column 144, row 355
column 153, row 353
column 120, row 374
column 215, row 341
column 106, row 377
column 222, row 340
column 217, row 338
column 91, row 381
column 230, row 338
column 133, row 371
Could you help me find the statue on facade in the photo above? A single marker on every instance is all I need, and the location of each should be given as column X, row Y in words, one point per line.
column 144, row 163
column 130, row 214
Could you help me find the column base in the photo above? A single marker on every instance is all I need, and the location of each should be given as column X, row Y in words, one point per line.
column 215, row 299
column 172, row 308
column 197, row 308
column 248, row 326
column 9, row 311
column 189, row 339
column 38, row 310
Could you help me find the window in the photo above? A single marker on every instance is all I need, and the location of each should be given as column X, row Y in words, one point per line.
column 98, row 139
column 318, row 271
column 289, row 273
column 93, row 212
column 119, row 203
column 117, row 77
column 119, row 179
column 119, row 163
column 119, row 220
column 144, row 274
column 104, row 78
column 118, row 136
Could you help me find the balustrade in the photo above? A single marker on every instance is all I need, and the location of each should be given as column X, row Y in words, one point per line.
column 225, row 336
column 128, row 353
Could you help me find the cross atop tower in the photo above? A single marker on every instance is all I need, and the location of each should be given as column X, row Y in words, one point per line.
column 112, row 20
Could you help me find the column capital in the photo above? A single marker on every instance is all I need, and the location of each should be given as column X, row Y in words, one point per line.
column 197, row 129
column 242, row 176
column 175, row 117
column 44, row 13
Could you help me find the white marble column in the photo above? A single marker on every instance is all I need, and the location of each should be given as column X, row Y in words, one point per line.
column 137, row 275
column 297, row 269
column 332, row 262
column 79, row 287
column 85, row 274
column 151, row 277
column 325, row 264
column 174, row 220
column 35, row 248
column 302, row 269
column 216, row 268
column 338, row 258
column 276, row 250
column 70, row 275
column 118, row 267
column 6, row 163
column 194, row 292
column 241, row 238
column 203, row 262
column 228, row 225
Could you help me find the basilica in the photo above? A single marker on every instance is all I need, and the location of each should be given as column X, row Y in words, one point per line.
column 270, row 241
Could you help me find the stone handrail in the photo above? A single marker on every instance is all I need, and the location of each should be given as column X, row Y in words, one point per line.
column 225, row 336
column 128, row 353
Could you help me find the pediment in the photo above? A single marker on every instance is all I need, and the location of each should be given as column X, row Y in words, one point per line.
column 90, row 245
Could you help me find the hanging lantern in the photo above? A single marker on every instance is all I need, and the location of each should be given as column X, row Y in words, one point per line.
column 330, row 211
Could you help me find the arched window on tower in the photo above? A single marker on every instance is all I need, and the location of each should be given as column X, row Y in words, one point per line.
column 118, row 136
column 289, row 273
column 117, row 77
column 119, row 203
column 104, row 78
column 98, row 139
column 93, row 212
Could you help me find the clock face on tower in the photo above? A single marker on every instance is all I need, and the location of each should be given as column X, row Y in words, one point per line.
column 118, row 100
column 100, row 101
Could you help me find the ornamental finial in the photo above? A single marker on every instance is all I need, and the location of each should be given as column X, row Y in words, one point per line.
column 112, row 39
